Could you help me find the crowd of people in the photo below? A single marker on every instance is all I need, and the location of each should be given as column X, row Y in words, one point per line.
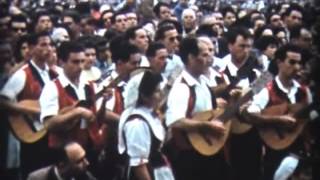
column 159, row 90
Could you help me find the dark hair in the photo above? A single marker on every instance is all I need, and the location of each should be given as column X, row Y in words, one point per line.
column 263, row 42
column 18, row 18
column 18, row 45
column 131, row 32
column 40, row 14
column 153, row 48
column 160, row 33
column 281, row 53
column 171, row 22
column 295, row 32
column 206, row 29
column 68, row 47
column 188, row 46
column 34, row 38
column 148, row 85
column 118, row 13
column 227, row 9
column 73, row 14
column 236, row 31
column 121, row 49
column 293, row 7
column 157, row 7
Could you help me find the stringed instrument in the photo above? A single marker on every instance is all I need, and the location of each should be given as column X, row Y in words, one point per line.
column 279, row 137
column 209, row 145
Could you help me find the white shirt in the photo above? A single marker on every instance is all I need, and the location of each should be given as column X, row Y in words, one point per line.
column 49, row 99
column 111, row 102
column 172, row 63
column 17, row 81
column 233, row 69
column 261, row 99
column 179, row 97
column 92, row 74
column 138, row 139
column 210, row 77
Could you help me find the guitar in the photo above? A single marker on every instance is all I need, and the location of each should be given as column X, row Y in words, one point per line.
column 209, row 144
column 277, row 137
column 24, row 126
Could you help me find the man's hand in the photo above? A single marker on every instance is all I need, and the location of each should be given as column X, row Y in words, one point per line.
column 214, row 126
column 86, row 114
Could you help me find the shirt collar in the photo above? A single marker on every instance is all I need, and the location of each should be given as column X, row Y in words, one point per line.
column 64, row 80
column 114, row 75
column 190, row 80
column 46, row 69
column 295, row 86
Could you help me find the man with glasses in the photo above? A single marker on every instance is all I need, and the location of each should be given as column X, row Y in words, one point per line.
column 18, row 26
column 281, row 164
column 169, row 37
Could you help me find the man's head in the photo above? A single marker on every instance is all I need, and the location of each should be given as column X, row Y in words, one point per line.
column 72, row 56
column 301, row 36
column 41, row 46
column 275, row 20
column 90, row 51
column 289, row 61
column 106, row 18
column 132, row 19
column 239, row 43
column 43, row 22
column 73, row 161
column 157, row 55
column 293, row 16
column 162, row 11
column 6, row 56
column 229, row 16
column 126, row 56
column 138, row 36
column 18, row 25
column 119, row 21
column 195, row 55
column 188, row 19
column 169, row 36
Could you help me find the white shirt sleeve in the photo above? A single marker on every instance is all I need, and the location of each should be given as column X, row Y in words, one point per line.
column 177, row 103
column 49, row 101
column 138, row 140
column 14, row 85
column 260, row 101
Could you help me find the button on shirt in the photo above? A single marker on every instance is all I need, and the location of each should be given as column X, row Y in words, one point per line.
column 179, row 97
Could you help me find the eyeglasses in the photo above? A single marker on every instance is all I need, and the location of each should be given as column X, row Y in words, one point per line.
column 294, row 62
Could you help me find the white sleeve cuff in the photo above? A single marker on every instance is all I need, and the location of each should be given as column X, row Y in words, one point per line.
column 136, row 161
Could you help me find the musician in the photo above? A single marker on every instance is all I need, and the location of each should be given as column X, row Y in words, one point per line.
column 26, row 84
column 141, row 134
column 70, row 164
column 65, row 119
column 284, row 88
column 127, row 58
column 241, row 70
column 190, row 87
